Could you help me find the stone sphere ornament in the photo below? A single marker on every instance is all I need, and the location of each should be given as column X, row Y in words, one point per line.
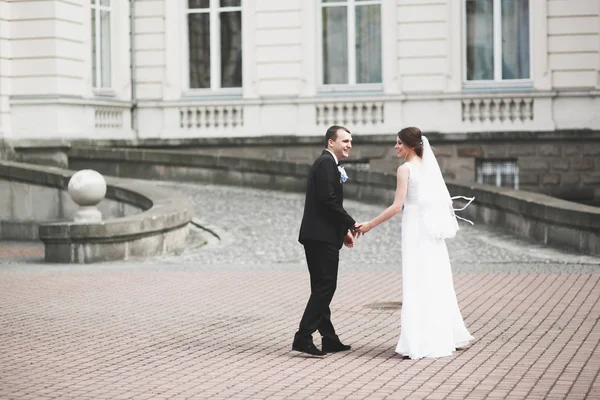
column 87, row 188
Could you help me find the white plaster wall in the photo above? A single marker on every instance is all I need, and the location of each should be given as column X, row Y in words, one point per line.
column 573, row 42
column 423, row 45
column 150, row 49
column 47, row 48
column 51, row 84
column 278, row 38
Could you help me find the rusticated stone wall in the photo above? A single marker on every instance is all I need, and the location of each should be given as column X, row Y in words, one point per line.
column 560, row 164
column 569, row 170
column 564, row 164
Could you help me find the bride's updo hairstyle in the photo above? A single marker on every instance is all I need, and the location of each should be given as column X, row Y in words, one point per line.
column 411, row 137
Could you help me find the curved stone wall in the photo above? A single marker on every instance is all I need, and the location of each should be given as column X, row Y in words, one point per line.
column 146, row 220
column 546, row 219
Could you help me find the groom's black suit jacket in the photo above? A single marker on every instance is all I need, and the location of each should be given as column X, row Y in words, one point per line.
column 324, row 219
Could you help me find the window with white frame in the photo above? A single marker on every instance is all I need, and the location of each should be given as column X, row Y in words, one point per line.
column 351, row 42
column 498, row 173
column 101, row 59
column 497, row 40
column 214, row 44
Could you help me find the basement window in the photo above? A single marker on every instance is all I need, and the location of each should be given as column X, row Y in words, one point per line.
column 503, row 173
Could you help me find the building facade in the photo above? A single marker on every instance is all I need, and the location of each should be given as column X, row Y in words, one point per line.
column 209, row 68
column 168, row 69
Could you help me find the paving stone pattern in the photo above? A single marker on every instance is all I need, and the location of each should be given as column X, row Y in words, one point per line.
column 216, row 321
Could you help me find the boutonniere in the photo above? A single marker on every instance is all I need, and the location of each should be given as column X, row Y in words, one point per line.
column 343, row 174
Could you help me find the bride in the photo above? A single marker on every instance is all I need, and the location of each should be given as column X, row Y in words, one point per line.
column 431, row 322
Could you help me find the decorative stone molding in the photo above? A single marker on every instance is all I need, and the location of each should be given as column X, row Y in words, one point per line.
column 350, row 113
column 500, row 110
column 210, row 117
column 108, row 117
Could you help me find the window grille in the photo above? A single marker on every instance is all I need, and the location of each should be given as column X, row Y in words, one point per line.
column 503, row 173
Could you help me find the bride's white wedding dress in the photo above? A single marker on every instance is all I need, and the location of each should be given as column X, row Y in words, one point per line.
column 431, row 322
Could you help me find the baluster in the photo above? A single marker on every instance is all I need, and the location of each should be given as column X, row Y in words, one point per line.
column 193, row 121
column 226, row 116
column 319, row 112
column 236, row 113
column 472, row 110
column 502, row 111
column 512, row 110
column 335, row 113
column 529, row 109
column 234, row 116
column 218, row 116
column 374, row 114
column 181, row 118
column 188, row 118
column 361, row 110
column 493, row 110
column 365, row 114
column 197, row 117
column 346, row 114
column 484, row 114
column 207, row 117
column 214, row 117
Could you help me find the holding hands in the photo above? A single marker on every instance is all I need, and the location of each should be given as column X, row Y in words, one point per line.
column 349, row 239
column 356, row 231
column 361, row 228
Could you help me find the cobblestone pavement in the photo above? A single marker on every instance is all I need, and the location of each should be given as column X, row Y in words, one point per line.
column 216, row 321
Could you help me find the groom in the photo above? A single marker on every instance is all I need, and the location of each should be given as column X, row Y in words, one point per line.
column 325, row 226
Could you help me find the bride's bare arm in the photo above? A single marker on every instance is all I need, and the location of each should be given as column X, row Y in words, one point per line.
column 396, row 207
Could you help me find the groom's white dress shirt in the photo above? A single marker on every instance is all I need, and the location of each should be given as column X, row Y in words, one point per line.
column 334, row 157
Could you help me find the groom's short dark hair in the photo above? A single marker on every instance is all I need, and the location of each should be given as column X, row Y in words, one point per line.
column 332, row 133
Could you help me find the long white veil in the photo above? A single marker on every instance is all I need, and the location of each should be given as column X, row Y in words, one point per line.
column 437, row 212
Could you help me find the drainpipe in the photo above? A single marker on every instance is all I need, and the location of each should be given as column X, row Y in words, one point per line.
column 132, row 65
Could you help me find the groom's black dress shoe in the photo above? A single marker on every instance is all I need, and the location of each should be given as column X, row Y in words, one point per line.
column 308, row 348
column 333, row 346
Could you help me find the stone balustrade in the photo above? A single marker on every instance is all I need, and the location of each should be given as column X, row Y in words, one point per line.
column 139, row 219
column 546, row 219
column 211, row 117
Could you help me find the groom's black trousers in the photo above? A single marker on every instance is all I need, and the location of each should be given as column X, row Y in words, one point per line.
column 322, row 259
